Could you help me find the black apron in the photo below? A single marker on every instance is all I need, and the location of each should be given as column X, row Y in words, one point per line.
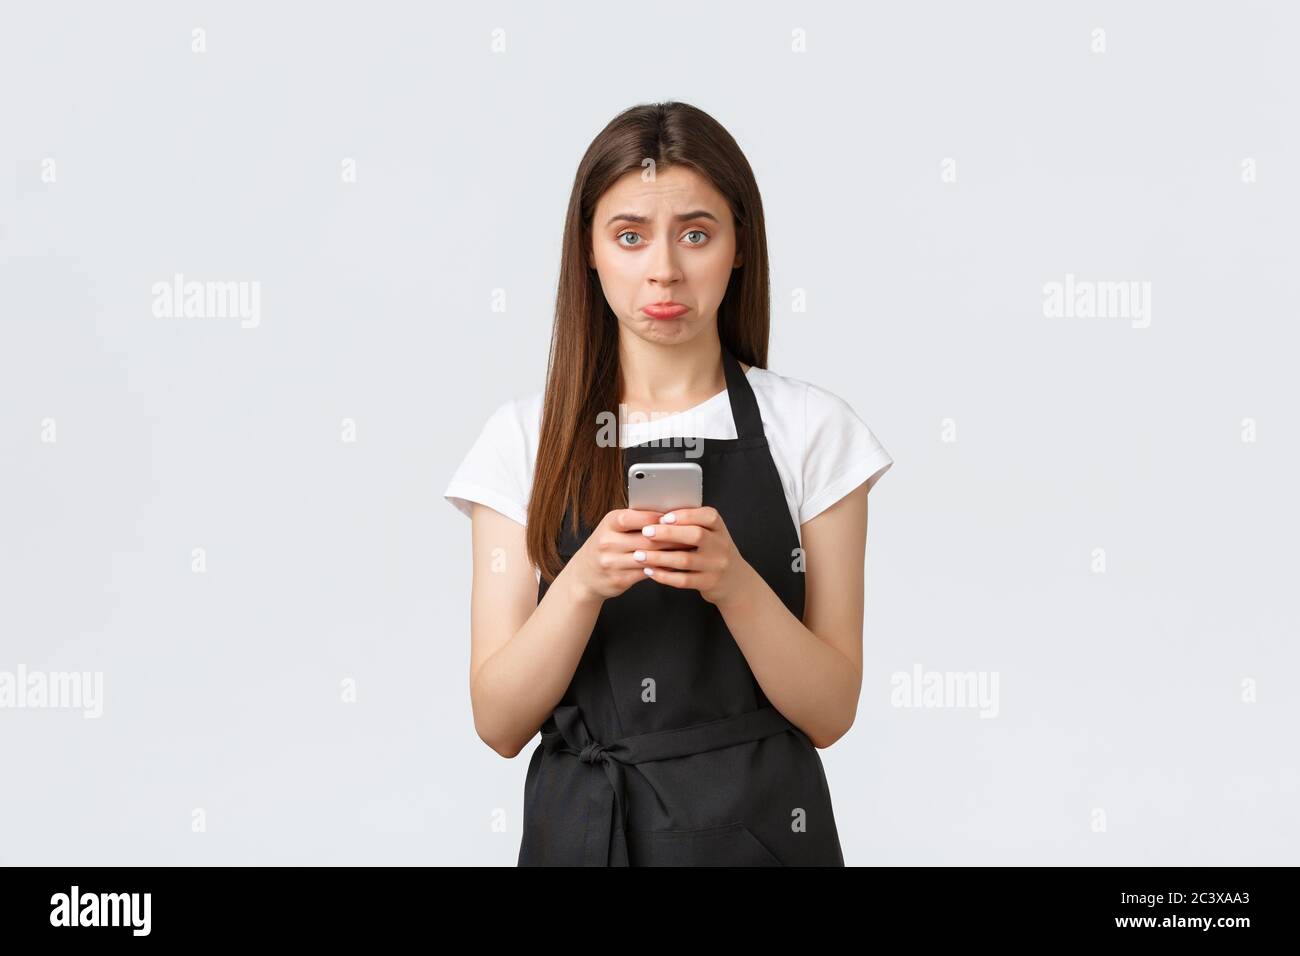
column 664, row 750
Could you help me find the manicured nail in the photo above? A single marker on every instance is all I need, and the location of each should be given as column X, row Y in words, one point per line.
column 649, row 571
column 639, row 555
column 669, row 518
column 648, row 531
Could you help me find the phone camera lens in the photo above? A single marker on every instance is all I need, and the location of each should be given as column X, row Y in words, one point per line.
column 640, row 474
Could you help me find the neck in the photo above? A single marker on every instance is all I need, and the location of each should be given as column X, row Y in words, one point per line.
column 668, row 377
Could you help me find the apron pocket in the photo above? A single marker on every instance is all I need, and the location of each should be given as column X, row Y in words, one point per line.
column 732, row 844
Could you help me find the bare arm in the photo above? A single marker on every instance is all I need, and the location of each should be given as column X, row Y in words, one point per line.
column 523, row 654
column 811, row 670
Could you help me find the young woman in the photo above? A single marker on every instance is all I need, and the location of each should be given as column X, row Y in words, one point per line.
column 683, row 668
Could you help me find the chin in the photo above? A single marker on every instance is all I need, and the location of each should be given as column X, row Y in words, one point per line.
column 667, row 331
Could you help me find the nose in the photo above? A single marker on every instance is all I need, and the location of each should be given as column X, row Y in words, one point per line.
column 663, row 269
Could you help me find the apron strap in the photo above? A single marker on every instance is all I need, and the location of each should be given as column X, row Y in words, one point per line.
column 744, row 407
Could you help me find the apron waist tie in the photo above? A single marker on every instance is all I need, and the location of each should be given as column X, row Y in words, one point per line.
column 564, row 731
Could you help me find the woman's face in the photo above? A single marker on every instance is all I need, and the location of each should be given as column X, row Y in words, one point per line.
column 671, row 239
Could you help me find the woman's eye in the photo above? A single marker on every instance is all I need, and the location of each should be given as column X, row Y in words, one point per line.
column 704, row 237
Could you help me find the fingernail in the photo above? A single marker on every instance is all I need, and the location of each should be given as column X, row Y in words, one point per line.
column 649, row 571
column 669, row 518
column 648, row 531
column 639, row 555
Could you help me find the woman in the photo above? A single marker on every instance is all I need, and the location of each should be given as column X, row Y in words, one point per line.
column 682, row 667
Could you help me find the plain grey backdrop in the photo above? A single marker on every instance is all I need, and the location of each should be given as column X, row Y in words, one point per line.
column 1146, row 714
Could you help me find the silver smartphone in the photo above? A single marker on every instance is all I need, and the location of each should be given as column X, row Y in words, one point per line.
column 665, row 485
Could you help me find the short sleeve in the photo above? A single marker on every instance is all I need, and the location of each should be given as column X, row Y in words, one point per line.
column 494, row 471
column 840, row 453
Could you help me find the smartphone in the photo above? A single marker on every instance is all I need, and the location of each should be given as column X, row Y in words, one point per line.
column 665, row 486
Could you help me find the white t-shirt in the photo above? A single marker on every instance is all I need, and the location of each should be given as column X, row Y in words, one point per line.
column 821, row 448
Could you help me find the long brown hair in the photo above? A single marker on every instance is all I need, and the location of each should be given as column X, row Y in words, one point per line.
column 583, row 375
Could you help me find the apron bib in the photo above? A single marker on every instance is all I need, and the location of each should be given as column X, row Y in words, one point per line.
column 664, row 750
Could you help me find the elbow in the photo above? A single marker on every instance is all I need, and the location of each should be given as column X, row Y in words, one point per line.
column 507, row 751
column 823, row 740
column 505, row 744
column 828, row 735
column 498, row 742
column 505, row 748
column 821, row 743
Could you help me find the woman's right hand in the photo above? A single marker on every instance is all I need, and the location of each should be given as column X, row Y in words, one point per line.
column 605, row 565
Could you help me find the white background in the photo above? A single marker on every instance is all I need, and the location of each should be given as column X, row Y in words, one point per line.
column 329, row 561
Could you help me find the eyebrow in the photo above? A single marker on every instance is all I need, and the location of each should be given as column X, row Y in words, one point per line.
column 633, row 217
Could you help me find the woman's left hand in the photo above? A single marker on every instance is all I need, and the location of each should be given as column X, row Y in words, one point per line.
column 709, row 562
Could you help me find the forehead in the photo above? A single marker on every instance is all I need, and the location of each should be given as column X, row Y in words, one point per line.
column 673, row 189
